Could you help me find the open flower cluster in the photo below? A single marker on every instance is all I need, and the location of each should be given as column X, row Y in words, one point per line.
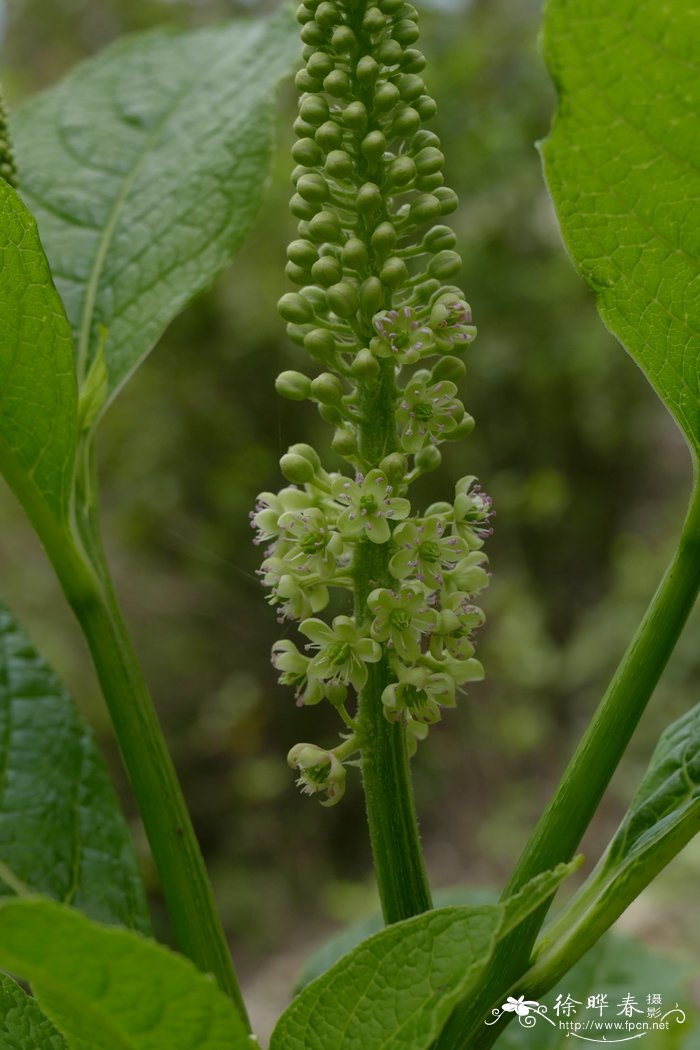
column 385, row 330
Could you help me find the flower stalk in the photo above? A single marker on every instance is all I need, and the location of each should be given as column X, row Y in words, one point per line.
column 374, row 310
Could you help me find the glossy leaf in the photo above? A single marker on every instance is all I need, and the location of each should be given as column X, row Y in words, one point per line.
column 397, row 989
column 111, row 988
column 623, row 166
column 22, row 1024
column 61, row 831
column 38, row 394
column 145, row 167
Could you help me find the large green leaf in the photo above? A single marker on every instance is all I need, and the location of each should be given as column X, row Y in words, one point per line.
column 617, row 966
column 396, row 990
column 663, row 816
column 112, row 989
column 38, row 394
column 61, row 831
column 623, row 166
column 22, row 1024
column 145, row 167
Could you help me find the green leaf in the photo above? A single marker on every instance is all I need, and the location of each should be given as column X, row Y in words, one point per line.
column 38, row 395
column 350, row 936
column 663, row 816
column 61, row 831
column 111, row 988
column 22, row 1024
column 397, row 989
column 616, row 966
column 145, row 168
column 623, row 166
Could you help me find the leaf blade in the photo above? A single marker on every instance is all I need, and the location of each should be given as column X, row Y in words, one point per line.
column 623, row 168
column 61, row 831
column 111, row 987
column 22, row 1024
column 38, row 392
column 164, row 143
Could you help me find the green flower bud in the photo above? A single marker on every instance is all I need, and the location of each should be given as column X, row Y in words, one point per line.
column 354, row 254
column 406, row 32
column 324, row 227
column 406, row 123
column 302, row 129
column 354, row 116
column 411, row 86
column 385, row 97
column 426, row 289
column 429, row 160
column 293, row 385
column 369, row 199
column 329, row 136
column 384, row 238
column 313, row 109
column 424, row 137
column 401, row 171
column 390, row 52
column 463, row 429
column 327, row 15
column 337, row 83
column 312, row 33
column 448, row 199
column 428, row 183
column 342, row 299
column 295, row 309
column 303, row 15
column 371, row 295
column 395, row 467
column 327, row 271
column 307, row 51
column 296, row 333
column 344, row 441
column 307, row 452
column 439, row 239
column 320, row 344
column 374, row 21
column 365, row 366
column 413, row 61
column 303, row 81
column 425, row 208
column 343, row 39
column 445, row 265
column 426, row 106
column 367, row 70
column 327, row 389
column 330, row 414
column 394, row 272
column 300, row 208
column 319, row 65
column 302, row 252
column 315, row 296
column 373, row 145
column 297, row 274
column 451, row 368
column 339, row 164
column 390, row 7
column 307, row 152
column 313, row 188
column 409, row 11
column 296, row 469
column 427, row 459
column 297, row 173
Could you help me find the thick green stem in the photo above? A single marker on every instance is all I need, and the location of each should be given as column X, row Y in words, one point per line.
column 391, row 817
column 588, row 774
column 181, row 869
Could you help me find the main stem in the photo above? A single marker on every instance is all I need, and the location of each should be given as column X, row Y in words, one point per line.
column 181, row 868
column 391, row 816
column 562, row 826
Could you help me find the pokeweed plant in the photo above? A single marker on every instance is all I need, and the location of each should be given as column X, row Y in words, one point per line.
column 143, row 169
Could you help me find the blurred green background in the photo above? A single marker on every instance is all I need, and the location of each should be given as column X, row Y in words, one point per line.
column 587, row 472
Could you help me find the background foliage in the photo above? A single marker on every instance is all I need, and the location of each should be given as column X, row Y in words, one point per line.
column 588, row 475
